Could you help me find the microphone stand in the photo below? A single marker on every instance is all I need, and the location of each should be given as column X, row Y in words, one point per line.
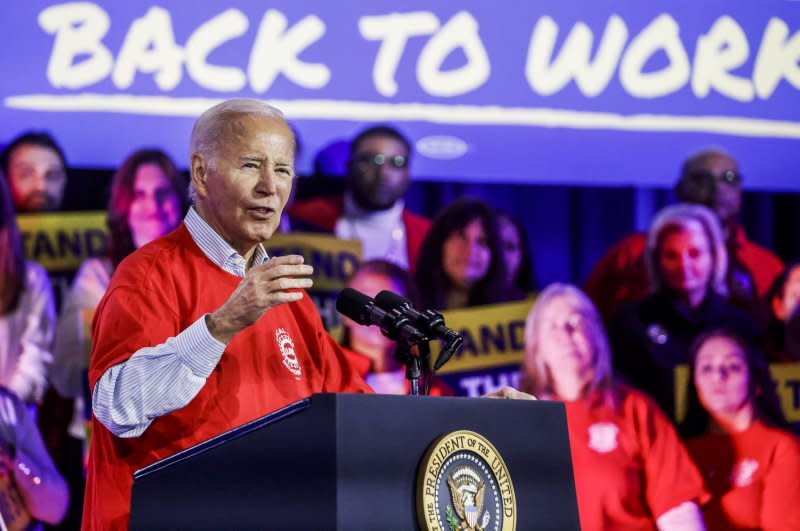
column 414, row 364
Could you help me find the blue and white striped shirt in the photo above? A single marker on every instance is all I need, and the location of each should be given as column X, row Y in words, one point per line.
column 157, row 380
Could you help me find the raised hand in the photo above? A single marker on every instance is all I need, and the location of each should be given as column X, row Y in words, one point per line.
column 265, row 286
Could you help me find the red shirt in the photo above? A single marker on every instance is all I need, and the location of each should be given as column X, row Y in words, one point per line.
column 754, row 478
column 155, row 294
column 629, row 465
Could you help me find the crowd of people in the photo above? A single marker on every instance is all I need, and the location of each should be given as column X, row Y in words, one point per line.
column 137, row 344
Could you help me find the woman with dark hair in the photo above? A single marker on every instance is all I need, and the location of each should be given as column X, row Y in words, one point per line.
column 517, row 255
column 148, row 199
column 461, row 261
column 687, row 262
column 27, row 312
column 631, row 470
column 734, row 428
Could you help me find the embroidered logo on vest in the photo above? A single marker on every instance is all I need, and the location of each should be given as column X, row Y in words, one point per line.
column 743, row 472
column 603, row 437
column 286, row 346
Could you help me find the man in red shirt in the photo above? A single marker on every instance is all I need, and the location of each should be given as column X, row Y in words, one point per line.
column 200, row 331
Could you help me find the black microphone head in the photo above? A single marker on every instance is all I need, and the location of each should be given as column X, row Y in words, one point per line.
column 352, row 303
column 389, row 300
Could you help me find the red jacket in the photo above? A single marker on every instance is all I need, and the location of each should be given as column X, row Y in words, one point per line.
column 324, row 212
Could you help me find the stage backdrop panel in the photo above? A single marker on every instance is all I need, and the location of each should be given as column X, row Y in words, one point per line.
column 594, row 92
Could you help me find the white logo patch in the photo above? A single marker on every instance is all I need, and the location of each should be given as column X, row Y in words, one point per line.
column 603, row 437
column 743, row 472
column 286, row 346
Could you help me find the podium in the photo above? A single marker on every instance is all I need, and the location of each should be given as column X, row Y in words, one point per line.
column 350, row 462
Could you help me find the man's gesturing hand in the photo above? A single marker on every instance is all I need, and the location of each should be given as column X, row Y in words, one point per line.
column 264, row 287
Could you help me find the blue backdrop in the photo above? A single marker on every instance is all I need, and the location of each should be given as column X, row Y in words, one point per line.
column 573, row 92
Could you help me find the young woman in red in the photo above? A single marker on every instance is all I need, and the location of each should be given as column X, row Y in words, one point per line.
column 734, row 425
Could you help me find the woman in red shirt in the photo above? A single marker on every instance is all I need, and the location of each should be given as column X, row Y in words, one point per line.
column 750, row 464
column 631, row 470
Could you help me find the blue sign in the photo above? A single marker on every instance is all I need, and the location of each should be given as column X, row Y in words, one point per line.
column 580, row 92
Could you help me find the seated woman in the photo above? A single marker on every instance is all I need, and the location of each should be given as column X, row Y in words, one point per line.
column 461, row 261
column 517, row 255
column 734, row 427
column 687, row 263
column 27, row 312
column 148, row 199
column 631, row 470
column 31, row 489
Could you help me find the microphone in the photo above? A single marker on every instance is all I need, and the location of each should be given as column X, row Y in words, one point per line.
column 363, row 310
column 428, row 322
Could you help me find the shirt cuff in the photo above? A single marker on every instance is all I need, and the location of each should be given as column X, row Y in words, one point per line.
column 198, row 349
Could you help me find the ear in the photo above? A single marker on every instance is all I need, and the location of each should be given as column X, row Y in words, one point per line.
column 777, row 308
column 199, row 174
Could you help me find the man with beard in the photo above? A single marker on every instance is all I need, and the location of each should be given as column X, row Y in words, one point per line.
column 36, row 170
column 372, row 207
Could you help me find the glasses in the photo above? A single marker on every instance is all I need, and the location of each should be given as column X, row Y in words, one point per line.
column 730, row 177
column 364, row 159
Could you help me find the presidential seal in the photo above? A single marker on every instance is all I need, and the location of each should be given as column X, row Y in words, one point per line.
column 463, row 484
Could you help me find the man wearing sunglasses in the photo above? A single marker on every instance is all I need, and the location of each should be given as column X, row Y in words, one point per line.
column 711, row 178
column 372, row 209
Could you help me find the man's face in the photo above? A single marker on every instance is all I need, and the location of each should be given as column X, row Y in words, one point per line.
column 728, row 202
column 242, row 191
column 378, row 172
column 36, row 177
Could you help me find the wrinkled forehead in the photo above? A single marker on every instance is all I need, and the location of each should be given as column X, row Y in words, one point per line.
column 252, row 131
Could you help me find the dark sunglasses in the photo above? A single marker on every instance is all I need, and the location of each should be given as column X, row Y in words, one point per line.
column 398, row 161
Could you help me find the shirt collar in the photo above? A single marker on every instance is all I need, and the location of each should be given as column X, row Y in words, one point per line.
column 216, row 248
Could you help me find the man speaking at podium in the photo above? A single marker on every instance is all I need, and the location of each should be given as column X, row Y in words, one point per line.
column 199, row 331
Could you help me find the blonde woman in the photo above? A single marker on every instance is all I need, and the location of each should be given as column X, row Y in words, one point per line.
column 631, row 470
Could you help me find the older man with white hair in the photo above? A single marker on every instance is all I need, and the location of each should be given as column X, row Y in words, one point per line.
column 200, row 331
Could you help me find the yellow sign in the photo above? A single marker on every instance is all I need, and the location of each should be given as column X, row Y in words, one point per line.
column 464, row 484
column 334, row 260
column 61, row 241
column 787, row 383
column 493, row 336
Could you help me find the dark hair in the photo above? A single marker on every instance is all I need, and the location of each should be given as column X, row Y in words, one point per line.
column 31, row 138
column 379, row 130
column 120, row 241
column 766, row 405
column 525, row 279
column 432, row 281
column 12, row 257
